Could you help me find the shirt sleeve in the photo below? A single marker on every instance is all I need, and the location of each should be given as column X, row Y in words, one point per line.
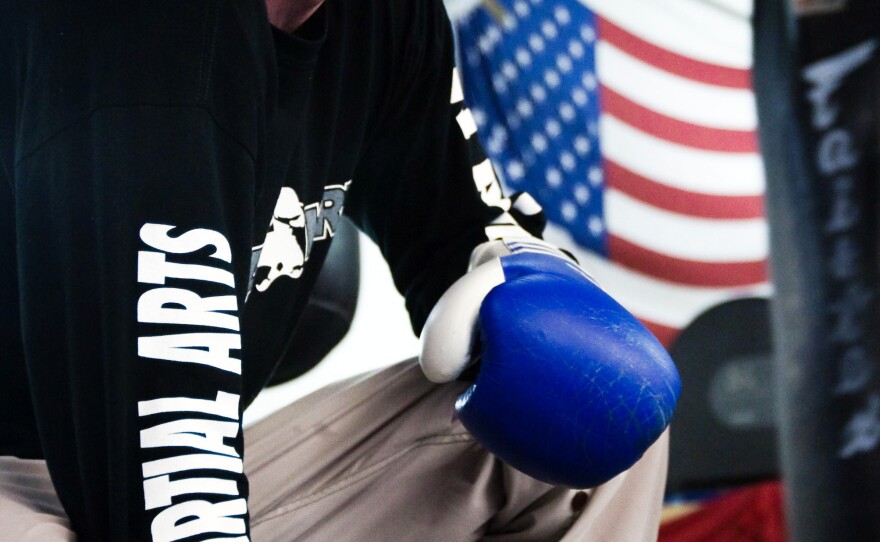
column 133, row 227
column 414, row 191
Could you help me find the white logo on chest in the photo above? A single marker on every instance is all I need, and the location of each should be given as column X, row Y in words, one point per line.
column 292, row 232
column 282, row 252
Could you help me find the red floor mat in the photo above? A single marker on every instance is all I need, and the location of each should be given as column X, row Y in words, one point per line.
column 751, row 514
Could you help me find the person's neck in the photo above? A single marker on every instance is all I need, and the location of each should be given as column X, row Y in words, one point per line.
column 289, row 15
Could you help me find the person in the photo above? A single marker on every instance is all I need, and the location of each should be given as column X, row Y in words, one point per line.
column 171, row 176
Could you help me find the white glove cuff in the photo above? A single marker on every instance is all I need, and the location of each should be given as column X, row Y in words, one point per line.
column 452, row 327
column 512, row 245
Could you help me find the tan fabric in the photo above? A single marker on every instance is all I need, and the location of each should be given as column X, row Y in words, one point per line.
column 381, row 458
column 29, row 508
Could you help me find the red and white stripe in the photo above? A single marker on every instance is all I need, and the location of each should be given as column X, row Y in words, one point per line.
column 684, row 178
column 664, row 307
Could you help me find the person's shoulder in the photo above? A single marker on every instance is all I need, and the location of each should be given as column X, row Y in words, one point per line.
column 388, row 12
column 412, row 28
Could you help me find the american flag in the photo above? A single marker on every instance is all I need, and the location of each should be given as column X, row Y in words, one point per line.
column 634, row 124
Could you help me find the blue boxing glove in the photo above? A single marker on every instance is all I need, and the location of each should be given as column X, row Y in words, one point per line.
column 571, row 388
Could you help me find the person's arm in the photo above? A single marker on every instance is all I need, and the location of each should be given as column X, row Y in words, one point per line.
column 134, row 195
column 569, row 387
column 414, row 191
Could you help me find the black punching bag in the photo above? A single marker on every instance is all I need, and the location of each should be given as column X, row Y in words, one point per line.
column 817, row 80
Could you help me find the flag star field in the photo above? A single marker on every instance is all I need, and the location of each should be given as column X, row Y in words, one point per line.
column 633, row 123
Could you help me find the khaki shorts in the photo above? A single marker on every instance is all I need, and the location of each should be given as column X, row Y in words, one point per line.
column 381, row 458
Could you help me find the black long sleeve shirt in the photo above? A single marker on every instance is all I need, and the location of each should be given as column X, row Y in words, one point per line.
column 163, row 217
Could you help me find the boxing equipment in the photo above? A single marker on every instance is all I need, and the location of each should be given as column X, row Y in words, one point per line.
column 725, row 425
column 817, row 81
column 570, row 388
